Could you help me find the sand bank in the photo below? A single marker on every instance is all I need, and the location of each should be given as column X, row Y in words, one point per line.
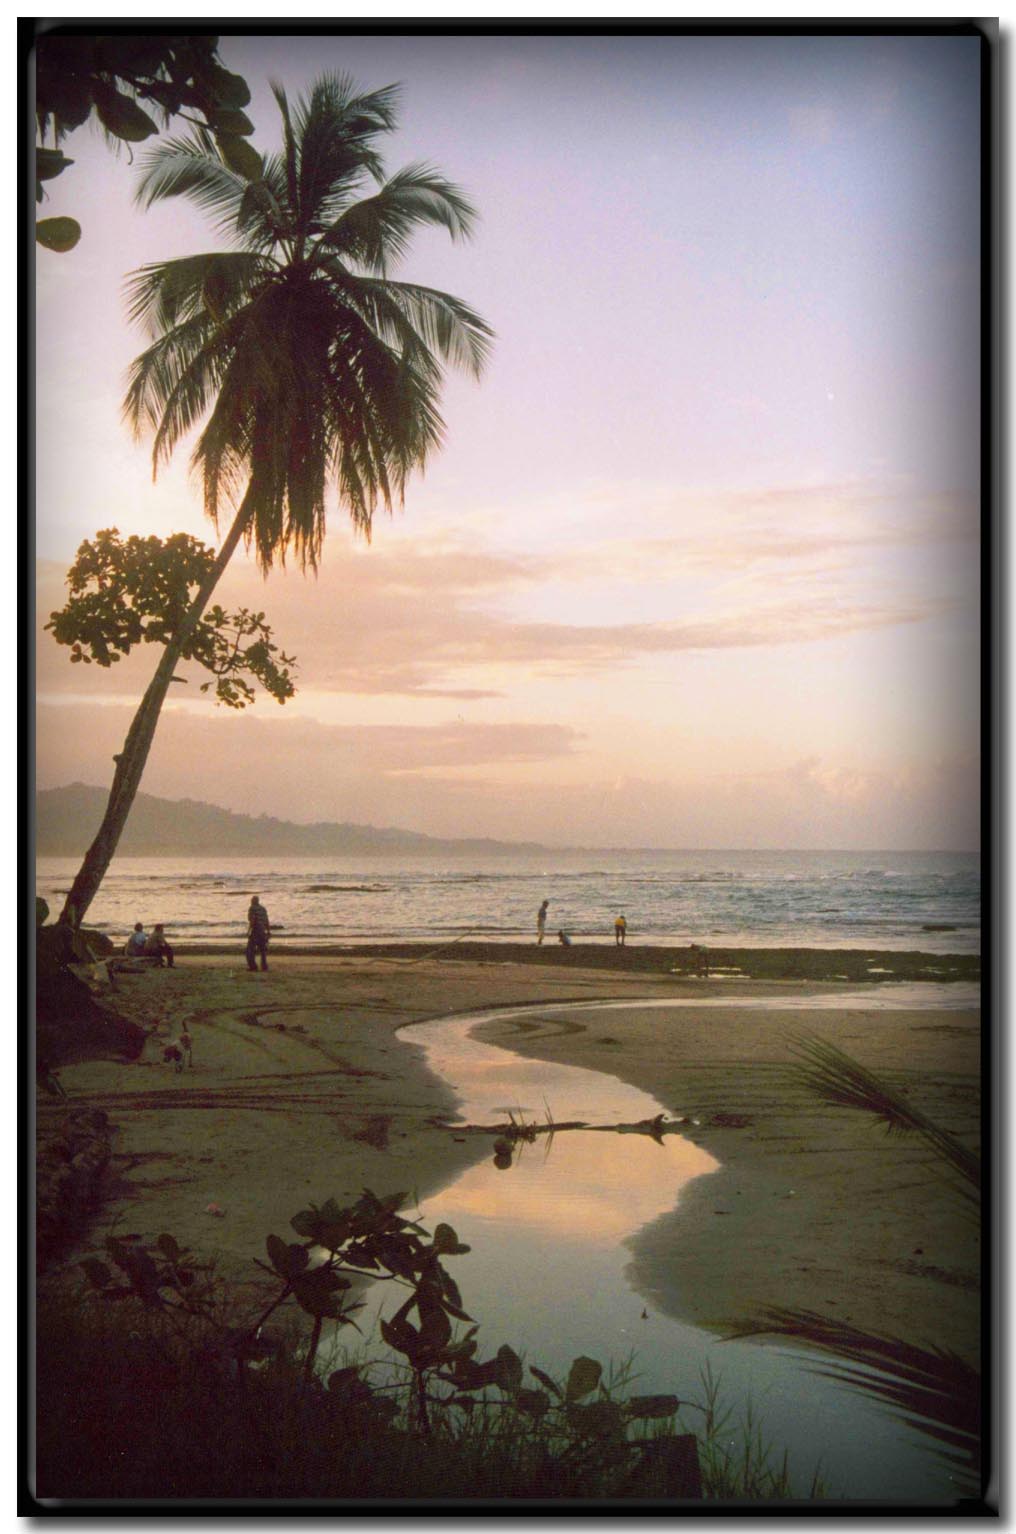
column 300, row 1090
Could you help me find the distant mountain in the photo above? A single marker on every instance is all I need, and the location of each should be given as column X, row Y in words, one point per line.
column 67, row 818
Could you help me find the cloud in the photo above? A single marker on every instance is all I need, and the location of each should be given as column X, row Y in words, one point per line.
column 459, row 780
column 434, row 620
column 296, row 768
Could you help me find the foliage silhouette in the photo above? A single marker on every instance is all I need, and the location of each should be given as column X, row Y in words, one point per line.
column 138, row 591
column 78, row 75
column 370, row 1240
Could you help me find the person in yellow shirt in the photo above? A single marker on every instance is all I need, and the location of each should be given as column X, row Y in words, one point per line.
column 620, row 928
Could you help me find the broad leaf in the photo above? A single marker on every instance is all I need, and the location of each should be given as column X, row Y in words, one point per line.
column 278, row 1255
column 447, row 1243
column 121, row 116
column 49, row 163
column 230, row 90
column 299, row 1257
column 58, row 233
column 596, row 1419
column 305, row 1223
column 240, row 156
column 316, row 1296
column 583, row 1377
column 227, row 120
column 509, row 1368
column 652, row 1406
column 456, row 1310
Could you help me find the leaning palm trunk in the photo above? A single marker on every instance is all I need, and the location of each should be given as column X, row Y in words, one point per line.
column 131, row 761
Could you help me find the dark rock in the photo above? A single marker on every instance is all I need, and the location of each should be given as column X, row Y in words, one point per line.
column 70, row 1023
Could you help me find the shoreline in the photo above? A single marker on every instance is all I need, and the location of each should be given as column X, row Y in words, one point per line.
column 300, row 1090
column 867, row 964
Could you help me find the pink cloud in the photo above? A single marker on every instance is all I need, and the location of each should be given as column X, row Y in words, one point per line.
column 402, row 621
column 422, row 780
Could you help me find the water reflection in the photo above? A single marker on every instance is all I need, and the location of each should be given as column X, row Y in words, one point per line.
column 595, row 1187
column 549, row 1226
column 600, row 1187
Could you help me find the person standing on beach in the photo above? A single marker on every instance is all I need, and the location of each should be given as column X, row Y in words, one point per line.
column 541, row 921
column 620, row 928
column 258, row 929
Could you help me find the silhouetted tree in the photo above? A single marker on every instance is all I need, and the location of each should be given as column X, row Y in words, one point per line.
column 310, row 364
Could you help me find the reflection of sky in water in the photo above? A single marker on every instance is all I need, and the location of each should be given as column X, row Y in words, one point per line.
column 594, row 1186
column 547, row 1269
column 588, row 1186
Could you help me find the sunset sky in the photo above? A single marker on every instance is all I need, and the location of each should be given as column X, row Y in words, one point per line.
column 698, row 563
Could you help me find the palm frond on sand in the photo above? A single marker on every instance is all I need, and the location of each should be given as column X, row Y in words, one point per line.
column 840, row 1080
column 931, row 1389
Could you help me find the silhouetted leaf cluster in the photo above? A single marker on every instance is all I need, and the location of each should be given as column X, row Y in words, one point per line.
column 138, row 591
column 370, row 1240
column 78, row 75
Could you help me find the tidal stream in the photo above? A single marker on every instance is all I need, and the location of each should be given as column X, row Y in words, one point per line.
column 548, row 1269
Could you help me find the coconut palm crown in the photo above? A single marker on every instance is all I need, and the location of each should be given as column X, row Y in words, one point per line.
column 308, row 364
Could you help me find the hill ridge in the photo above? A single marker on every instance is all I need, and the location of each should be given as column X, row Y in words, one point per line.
column 67, row 818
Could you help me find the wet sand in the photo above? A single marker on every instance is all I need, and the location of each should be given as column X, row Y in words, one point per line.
column 300, row 1090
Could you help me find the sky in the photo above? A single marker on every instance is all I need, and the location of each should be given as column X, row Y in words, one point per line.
column 697, row 565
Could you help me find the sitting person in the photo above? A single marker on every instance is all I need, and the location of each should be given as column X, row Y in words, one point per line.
column 135, row 946
column 156, row 947
column 563, row 937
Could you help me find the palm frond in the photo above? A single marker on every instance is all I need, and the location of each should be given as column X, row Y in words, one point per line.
column 163, row 294
column 840, row 1080
column 335, row 131
column 289, row 154
column 265, row 218
column 931, row 1389
column 155, row 375
column 375, row 231
column 187, row 389
column 192, row 167
column 418, row 319
column 303, row 372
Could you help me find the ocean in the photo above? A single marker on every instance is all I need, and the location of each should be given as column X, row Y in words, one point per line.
column 892, row 900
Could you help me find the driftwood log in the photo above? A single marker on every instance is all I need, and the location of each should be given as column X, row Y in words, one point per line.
column 515, row 1130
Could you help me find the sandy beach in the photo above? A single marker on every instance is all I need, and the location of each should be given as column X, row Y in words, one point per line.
column 300, row 1090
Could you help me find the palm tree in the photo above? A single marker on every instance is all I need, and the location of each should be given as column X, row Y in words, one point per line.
column 310, row 366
